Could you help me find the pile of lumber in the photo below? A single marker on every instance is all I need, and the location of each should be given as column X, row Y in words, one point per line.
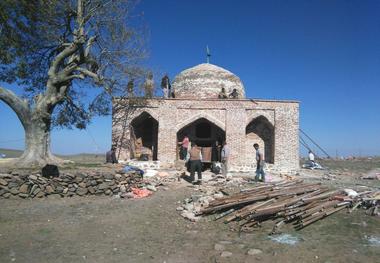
column 293, row 202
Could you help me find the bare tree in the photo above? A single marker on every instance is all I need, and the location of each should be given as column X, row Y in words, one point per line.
column 56, row 50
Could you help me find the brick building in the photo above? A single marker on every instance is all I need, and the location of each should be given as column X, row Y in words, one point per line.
column 197, row 111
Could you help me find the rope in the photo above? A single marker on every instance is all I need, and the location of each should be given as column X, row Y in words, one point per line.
column 97, row 149
column 316, row 144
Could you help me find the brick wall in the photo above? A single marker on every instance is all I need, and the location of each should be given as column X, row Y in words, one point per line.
column 232, row 116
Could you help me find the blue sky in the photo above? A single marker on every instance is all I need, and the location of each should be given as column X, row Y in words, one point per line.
column 325, row 54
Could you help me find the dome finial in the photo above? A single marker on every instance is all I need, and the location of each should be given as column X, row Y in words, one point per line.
column 208, row 54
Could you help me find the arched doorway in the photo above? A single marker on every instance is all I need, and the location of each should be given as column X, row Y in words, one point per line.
column 260, row 131
column 204, row 133
column 144, row 136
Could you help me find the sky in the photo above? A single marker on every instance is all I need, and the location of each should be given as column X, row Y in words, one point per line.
column 324, row 54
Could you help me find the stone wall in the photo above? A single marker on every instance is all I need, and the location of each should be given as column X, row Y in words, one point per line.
column 230, row 115
column 68, row 184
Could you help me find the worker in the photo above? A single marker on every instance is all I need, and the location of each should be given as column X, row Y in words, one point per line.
column 222, row 94
column 260, row 174
column 234, row 94
column 165, row 85
column 195, row 163
column 111, row 155
column 311, row 158
column 184, row 147
column 225, row 155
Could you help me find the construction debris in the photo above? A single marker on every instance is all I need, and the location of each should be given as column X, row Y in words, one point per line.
column 285, row 202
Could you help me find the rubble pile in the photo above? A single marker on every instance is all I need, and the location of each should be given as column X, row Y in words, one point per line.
column 192, row 206
column 285, row 202
column 72, row 184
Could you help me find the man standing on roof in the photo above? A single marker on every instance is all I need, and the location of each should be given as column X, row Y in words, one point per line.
column 165, row 85
column 234, row 94
column 260, row 164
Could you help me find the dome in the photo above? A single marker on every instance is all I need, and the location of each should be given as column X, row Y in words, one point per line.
column 205, row 81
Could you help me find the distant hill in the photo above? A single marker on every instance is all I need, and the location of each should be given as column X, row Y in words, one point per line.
column 11, row 153
column 82, row 157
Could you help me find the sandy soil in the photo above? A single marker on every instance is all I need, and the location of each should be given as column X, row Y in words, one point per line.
column 105, row 229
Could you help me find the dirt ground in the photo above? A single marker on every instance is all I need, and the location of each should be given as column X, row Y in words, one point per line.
column 109, row 229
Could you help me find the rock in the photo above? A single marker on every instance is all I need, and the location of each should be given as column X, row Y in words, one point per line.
column 128, row 195
column 218, row 195
column 108, row 192
column 219, row 247
column 82, row 191
column 91, row 190
column 3, row 182
column 151, row 188
column 94, row 182
column 24, row 189
column 65, row 190
column 33, row 177
column 163, row 174
column 190, row 216
column 14, row 191
column 180, row 208
column 254, row 251
column 226, row 254
column 40, row 194
column 108, row 176
column 23, row 195
column 82, row 184
column 59, row 189
column 6, row 195
column 118, row 177
column 49, row 189
column 123, row 189
column 103, row 186
column 13, row 185
column 189, row 207
column 35, row 191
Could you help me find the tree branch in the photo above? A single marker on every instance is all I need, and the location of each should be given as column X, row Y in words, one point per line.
column 88, row 73
column 19, row 106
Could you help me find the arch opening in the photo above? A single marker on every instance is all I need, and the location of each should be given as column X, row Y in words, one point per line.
column 144, row 136
column 260, row 131
column 205, row 134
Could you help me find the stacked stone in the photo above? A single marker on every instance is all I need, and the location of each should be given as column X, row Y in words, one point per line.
column 68, row 184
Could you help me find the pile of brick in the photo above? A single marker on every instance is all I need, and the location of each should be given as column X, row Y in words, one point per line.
column 69, row 184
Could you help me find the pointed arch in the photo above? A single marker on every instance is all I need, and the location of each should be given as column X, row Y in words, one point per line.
column 144, row 135
column 261, row 131
column 201, row 115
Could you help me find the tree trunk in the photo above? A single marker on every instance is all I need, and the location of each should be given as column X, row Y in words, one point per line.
column 37, row 144
column 37, row 125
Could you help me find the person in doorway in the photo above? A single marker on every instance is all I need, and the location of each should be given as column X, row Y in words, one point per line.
column 215, row 156
column 260, row 174
column 184, row 147
column 195, row 163
column 311, row 158
column 111, row 155
column 225, row 155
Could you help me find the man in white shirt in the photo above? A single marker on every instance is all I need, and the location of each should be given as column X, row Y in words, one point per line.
column 225, row 155
column 311, row 157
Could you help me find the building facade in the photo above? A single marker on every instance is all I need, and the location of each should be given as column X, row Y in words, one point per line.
column 198, row 112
